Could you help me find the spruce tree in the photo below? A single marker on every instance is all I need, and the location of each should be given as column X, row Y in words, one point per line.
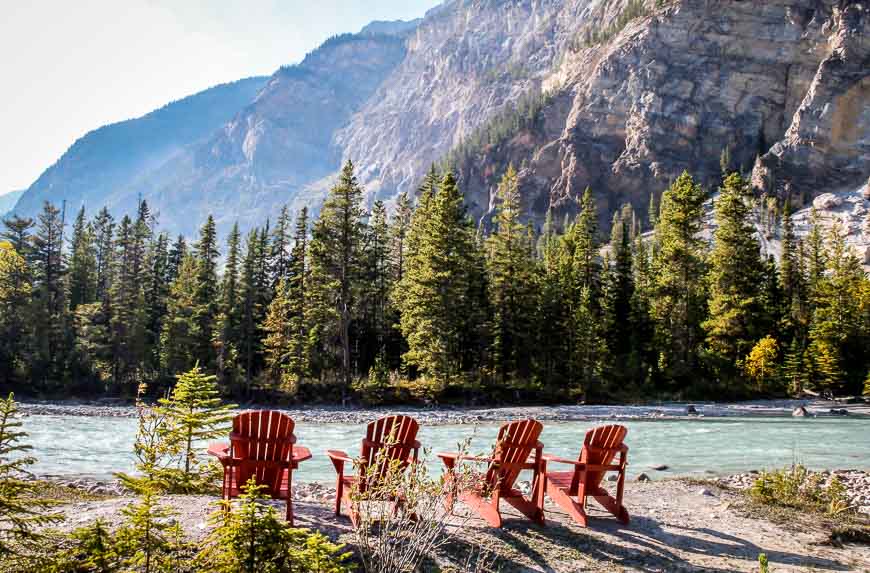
column 50, row 311
column 22, row 512
column 511, row 288
column 179, row 332
column 177, row 253
column 736, row 276
column 18, row 232
column 336, row 245
column 678, row 297
column 399, row 226
column 279, row 253
column 145, row 539
column 104, row 240
column 194, row 414
column 251, row 300
column 230, row 311
column 83, row 263
column 617, row 294
column 375, row 286
column 205, row 297
column 436, row 296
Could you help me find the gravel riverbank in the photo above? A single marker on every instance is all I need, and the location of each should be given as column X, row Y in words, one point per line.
column 446, row 415
column 677, row 525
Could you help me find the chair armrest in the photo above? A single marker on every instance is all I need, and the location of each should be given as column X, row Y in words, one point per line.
column 417, row 445
column 558, row 460
column 220, row 451
column 339, row 456
column 457, row 457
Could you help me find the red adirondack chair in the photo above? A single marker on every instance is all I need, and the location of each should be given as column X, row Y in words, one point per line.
column 395, row 437
column 516, row 442
column 571, row 489
column 261, row 445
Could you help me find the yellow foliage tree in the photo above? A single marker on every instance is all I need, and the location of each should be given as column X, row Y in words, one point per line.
column 761, row 362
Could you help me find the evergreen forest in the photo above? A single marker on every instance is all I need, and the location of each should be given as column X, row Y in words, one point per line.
column 420, row 305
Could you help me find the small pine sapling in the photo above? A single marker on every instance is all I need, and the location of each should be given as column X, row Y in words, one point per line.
column 22, row 512
column 194, row 414
column 254, row 539
column 146, row 540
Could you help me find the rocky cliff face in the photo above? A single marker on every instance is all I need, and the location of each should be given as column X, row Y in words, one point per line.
column 637, row 92
column 666, row 88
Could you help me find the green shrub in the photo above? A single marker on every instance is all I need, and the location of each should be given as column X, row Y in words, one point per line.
column 255, row 539
column 797, row 487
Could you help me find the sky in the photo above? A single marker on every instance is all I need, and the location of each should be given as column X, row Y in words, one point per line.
column 70, row 67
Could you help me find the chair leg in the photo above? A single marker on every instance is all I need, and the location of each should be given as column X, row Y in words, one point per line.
column 572, row 508
column 290, row 497
column 339, row 493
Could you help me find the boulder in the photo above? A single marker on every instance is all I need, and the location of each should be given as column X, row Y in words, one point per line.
column 838, row 412
column 827, row 201
column 800, row 412
column 659, row 468
column 643, row 478
column 691, row 410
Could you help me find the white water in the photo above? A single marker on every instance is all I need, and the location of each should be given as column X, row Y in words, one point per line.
column 98, row 446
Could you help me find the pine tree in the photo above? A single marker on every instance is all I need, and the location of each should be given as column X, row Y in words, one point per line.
column 399, row 226
column 104, row 240
column 22, row 512
column 18, row 233
column 375, row 285
column 145, row 538
column 794, row 369
column 50, row 316
column 251, row 300
column 736, row 277
column 205, row 297
column 128, row 316
column 178, row 337
column 83, row 263
column 437, row 296
column 618, row 293
column 866, row 391
column 15, row 290
column 254, row 539
column 194, row 413
column 156, row 293
column 279, row 254
column 231, row 315
column 678, row 297
column 510, row 268
column 335, row 269
column 176, row 256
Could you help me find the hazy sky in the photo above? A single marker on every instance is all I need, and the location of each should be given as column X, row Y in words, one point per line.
column 72, row 66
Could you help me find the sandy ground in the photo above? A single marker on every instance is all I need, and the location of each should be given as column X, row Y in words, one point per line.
column 676, row 525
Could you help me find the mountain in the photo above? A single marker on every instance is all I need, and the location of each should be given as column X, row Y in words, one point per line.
column 619, row 95
column 278, row 146
column 101, row 164
column 8, row 200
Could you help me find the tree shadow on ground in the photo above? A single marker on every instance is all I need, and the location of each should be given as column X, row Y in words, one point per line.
column 644, row 545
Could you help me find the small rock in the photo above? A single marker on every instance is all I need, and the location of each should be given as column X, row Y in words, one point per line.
column 643, row 478
column 800, row 412
column 659, row 468
column 839, row 412
column 691, row 410
column 612, row 477
column 706, row 492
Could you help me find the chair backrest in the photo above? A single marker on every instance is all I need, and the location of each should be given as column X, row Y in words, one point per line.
column 515, row 443
column 392, row 438
column 600, row 446
column 263, row 440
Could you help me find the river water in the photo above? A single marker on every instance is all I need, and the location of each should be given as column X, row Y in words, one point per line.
column 98, row 446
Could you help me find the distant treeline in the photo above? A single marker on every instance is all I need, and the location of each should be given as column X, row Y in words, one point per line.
column 419, row 305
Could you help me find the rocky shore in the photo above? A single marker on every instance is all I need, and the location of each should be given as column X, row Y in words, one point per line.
column 677, row 525
column 470, row 415
column 856, row 482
